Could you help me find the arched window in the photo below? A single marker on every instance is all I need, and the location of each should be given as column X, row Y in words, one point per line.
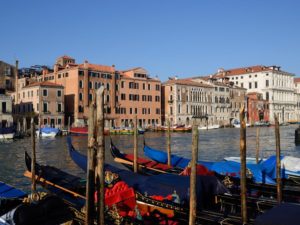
column 267, row 96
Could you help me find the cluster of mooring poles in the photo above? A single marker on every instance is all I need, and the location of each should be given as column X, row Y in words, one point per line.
column 96, row 158
column 244, row 167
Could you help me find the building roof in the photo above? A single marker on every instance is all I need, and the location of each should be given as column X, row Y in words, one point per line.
column 97, row 67
column 65, row 57
column 43, row 84
column 187, row 82
column 245, row 70
column 297, row 79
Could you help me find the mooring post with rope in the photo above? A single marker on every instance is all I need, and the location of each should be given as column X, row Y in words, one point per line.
column 243, row 165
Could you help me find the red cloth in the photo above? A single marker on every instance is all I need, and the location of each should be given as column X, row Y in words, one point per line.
column 120, row 192
column 201, row 170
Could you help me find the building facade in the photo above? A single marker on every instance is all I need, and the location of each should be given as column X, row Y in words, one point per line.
column 6, row 118
column 258, row 108
column 138, row 95
column 275, row 85
column 43, row 101
column 127, row 93
column 7, row 76
column 184, row 100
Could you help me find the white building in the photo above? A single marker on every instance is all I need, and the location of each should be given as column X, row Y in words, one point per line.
column 275, row 85
column 184, row 100
column 6, row 118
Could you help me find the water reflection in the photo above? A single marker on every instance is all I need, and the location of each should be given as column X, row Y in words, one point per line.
column 213, row 145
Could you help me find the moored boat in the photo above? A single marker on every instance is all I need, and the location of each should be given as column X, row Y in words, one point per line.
column 7, row 132
column 47, row 132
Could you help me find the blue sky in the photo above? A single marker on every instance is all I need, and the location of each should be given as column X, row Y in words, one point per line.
column 166, row 37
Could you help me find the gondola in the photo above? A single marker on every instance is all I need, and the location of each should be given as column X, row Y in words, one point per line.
column 291, row 193
column 67, row 188
column 10, row 197
column 264, row 172
column 161, row 185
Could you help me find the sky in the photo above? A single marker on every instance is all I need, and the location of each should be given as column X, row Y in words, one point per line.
column 166, row 37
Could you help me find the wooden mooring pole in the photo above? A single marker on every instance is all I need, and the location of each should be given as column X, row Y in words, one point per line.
column 135, row 146
column 257, row 145
column 69, row 123
column 169, row 142
column 193, row 177
column 90, row 184
column 33, row 156
column 278, row 161
column 243, row 165
column 100, row 154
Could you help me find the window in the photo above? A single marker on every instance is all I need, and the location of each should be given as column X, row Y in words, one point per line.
column 107, row 86
column 250, row 85
column 157, row 111
column 59, row 76
column 123, row 96
column 130, row 110
column 267, row 83
column 157, row 98
column 59, row 107
column 157, row 87
column 242, row 85
column 45, row 121
column 59, row 121
column 255, row 84
column 80, row 109
column 4, row 107
column 149, row 87
column 144, row 86
column 45, row 92
column 58, row 93
column 80, row 84
column 267, row 96
column 80, row 96
column 171, row 110
column 135, row 111
column 45, row 107
column 37, row 106
column 122, row 84
column 90, row 84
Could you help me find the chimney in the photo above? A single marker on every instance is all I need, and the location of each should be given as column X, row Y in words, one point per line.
column 16, row 80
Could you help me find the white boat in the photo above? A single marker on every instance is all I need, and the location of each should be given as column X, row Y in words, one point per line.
column 47, row 132
column 209, row 127
column 7, row 133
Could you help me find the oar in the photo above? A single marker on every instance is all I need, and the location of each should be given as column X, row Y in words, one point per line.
column 42, row 180
column 119, row 160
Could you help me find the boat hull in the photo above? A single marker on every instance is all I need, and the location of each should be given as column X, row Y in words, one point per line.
column 7, row 136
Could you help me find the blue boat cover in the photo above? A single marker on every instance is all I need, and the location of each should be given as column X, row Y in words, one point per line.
column 48, row 130
column 260, row 172
column 283, row 214
column 7, row 130
column 162, row 184
column 7, row 191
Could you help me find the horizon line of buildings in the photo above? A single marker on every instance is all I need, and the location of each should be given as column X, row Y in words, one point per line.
column 54, row 95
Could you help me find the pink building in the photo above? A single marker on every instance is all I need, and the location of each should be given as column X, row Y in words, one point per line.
column 138, row 95
column 127, row 93
column 42, row 100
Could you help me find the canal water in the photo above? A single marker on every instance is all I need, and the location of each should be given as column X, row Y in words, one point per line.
column 213, row 145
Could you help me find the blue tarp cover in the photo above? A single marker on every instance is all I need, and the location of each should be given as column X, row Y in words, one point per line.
column 7, row 191
column 48, row 130
column 223, row 167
